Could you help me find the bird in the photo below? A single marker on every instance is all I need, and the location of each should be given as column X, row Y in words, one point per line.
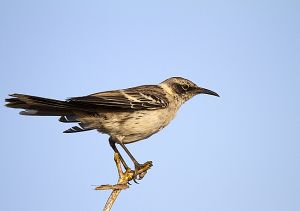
column 126, row 115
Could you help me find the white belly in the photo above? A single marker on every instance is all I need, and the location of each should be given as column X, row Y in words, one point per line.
column 138, row 126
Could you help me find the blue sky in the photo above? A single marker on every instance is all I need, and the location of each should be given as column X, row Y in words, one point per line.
column 237, row 152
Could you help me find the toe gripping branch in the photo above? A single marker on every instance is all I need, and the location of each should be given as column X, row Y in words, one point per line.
column 123, row 181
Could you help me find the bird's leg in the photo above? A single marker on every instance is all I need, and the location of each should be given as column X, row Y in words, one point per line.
column 113, row 146
column 127, row 169
column 140, row 169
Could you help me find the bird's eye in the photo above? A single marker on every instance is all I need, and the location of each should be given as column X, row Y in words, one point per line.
column 185, row 87
column 179, row 89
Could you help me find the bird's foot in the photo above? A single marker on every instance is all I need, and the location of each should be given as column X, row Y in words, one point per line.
column 124, row 177
column 141, row 170
column 123, row 182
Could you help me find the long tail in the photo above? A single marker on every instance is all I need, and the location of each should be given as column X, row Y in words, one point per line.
column 38, row 106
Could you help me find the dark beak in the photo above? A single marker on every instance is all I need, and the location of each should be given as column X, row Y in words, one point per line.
column 206, row 91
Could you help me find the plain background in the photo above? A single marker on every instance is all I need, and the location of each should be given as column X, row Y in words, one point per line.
column 237, row 152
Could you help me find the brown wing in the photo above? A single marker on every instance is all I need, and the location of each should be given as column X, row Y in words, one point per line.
column 147, row 97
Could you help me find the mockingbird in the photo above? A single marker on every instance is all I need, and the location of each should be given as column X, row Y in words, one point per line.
column 126, row 115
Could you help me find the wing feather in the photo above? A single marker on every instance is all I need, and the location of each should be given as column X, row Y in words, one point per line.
column 147, row 97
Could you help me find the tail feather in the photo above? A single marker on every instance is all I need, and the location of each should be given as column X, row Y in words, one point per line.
column 38, row 106
column 69, row 119
column 76, row 129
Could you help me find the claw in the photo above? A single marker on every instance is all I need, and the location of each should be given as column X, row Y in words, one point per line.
column 134, row 180
column 141, row 170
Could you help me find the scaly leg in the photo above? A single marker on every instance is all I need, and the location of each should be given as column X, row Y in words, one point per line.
column 137, row 165
column 112, row 143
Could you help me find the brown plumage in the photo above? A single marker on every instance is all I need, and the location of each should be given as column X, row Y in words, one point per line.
column 126, row 115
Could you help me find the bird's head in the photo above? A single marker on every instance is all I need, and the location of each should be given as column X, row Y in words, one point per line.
column 185, row 89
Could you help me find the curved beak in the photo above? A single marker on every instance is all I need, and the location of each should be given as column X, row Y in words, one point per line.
column 201, row 90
